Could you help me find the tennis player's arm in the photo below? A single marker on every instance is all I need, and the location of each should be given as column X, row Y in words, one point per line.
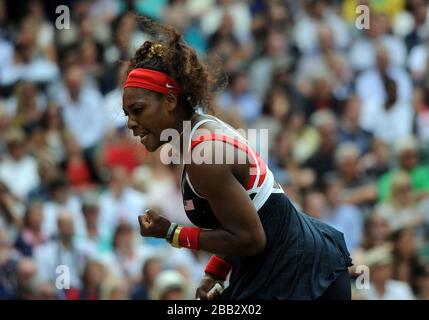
column 241, row 232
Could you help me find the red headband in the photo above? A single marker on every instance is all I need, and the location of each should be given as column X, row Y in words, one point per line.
column 152, row 80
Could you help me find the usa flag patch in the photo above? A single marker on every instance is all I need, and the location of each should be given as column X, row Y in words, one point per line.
column 189, row 205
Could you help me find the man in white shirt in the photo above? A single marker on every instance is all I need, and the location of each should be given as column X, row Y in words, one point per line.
column 83, row 111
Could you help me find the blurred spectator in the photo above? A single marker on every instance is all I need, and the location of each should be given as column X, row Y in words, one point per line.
column 115, row 289
column 371, row 84
column 286, row 168
column 225, row 44
column 8, row 261
column 322, row 161
column 357, row 187
column 27, row 106
column 26, row 272
column 239, row 12
column 120, row 150
column 306, row 27
column 406, row 263
column 379, row 117
column 31, row 236
column 54, row 130
column 382, row 286
column 326, row 61
column 342, row 216
column 120, row 202
column 304, row 138
column 27, row 62
column 350, row 129
column 421, row 121
column 11, row 211
column 61, row 199
column 64, row 251
column 362, row 53
column 170, row 285
column 151, row 269
column 18, row 170
column 94, row 237
column 422, row 283
column 401, row 208
column 92, row 278
column 406, row 152
column 274, row 56
column 239, row 99
column 126, row 259
column 78, row 167
column 83, row 113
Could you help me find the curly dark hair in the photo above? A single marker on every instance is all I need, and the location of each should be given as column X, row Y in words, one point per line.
column 167, row 52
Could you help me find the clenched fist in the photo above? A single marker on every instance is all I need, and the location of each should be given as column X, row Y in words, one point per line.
column 153, row 225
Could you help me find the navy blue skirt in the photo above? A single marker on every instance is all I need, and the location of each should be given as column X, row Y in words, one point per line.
column 302, row 258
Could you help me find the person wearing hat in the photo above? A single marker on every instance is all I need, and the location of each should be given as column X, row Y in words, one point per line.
column 169, row 285
column 382, row 286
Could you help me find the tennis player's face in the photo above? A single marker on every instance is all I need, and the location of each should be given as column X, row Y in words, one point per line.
column 148, row 115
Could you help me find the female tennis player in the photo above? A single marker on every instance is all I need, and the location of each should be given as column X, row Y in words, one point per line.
column 268, row 248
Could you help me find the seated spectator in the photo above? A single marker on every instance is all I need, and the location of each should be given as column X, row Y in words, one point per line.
column 274, row 56
column 316, row 13
column 151, row 269
column 286, row 168
column 61, row 199
column 170, row 285
column 406, row 262
column 93, row 276
column 26, row 272
column 349, row 127
column 18, row 170
column 115, row 289
column 342, row 216
column 363, row 51
column 93, row 235
column 120, row 150
column 382, row 286
column 28, row 105
column 304, row 138
column 64, row 251
column 126, row 259
column 401, row 208
column 423, row 283
column 326, row 60
column 225, row 45
column 8, row 261
column 54, row 130
column 78, row 167
column 370, row 84
column 238, row 98
column 120, row 202
column 380, row 116
column 322, row 161
column 11, row 211
column 357, row 188
column 31, row 236
column 406, row 153
column 28, row 63
column 82, row 109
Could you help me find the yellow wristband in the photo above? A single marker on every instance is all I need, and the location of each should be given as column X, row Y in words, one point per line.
column 175, row 242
